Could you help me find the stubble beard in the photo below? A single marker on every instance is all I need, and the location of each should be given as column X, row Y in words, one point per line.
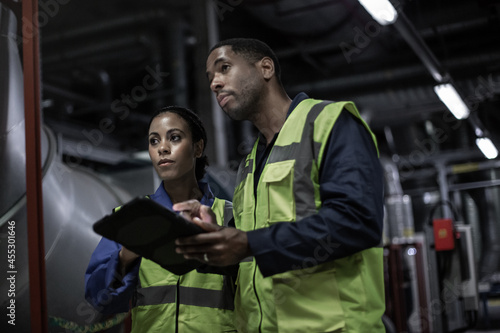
column 249, row 103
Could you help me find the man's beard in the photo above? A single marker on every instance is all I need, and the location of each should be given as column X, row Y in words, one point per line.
column 249, row 101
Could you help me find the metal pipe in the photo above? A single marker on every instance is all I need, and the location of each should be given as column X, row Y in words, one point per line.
column 221, row 153
column 443, row 188
column 357, row 82
column 34, row 195
column 424, row 33
column 110, row 24
column 410, row 34
column 68, row 94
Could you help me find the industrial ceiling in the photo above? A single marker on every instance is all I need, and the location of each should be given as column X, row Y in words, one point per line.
column 108, row 65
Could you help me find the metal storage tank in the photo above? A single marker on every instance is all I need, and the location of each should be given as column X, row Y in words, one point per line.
column 73, row 199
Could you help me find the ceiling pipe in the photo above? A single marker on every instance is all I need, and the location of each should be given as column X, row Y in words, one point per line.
column 68, row 94
column 407, row 30
column 97, row 47
column 445, row 29
column 387, row 76
column 412, row 37
column 150, row 17
column 298, row 18
column 453, row 28
column 84, row 54
column 355, row 81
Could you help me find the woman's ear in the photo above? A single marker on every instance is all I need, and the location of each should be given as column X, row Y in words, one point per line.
column 267, row 67
column 198, row 148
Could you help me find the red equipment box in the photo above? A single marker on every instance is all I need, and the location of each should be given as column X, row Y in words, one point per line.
column 444, row 235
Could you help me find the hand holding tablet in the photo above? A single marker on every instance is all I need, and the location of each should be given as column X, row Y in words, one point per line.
column 149, row 229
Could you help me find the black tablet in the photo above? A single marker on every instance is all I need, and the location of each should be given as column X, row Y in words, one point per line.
column 149, row 229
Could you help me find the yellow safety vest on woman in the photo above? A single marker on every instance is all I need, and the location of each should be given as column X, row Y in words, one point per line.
column 193, row 302
column 344, row 295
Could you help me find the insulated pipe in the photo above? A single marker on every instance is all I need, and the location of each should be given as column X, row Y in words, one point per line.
column 72, row 201
column 12, row 140
column 490, row 209
column 399, row 220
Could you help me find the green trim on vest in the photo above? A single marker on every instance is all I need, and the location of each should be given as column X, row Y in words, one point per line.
column 193, row 302
column 345, row 295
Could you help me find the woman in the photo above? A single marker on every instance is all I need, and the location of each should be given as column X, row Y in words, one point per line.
column 117, row 279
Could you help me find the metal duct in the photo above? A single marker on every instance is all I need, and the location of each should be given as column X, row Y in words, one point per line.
column 489, row 203
column 355, row 82
column 73, row 199
column 482, row 211
column 399, row 213
column 12, row 141
column 301, row 18
column 473, row 219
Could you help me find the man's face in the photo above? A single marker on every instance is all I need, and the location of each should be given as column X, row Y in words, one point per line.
column 236, row 83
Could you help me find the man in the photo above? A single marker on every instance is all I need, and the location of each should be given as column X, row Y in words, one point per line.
column 308, row 205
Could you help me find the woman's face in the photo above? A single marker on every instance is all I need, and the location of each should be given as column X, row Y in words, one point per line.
column 171, row 148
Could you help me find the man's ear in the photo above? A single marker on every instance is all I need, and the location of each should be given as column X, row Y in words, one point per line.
column 267, row 68
column 198, row 149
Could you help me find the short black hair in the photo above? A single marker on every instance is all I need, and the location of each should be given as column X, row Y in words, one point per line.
column 198, row 132
column 251, row 49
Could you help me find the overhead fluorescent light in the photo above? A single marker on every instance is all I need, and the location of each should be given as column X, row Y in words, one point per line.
column 450, row 97
column 382, row 11
column 487, row 147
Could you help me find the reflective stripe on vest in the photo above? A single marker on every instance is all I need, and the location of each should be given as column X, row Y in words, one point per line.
column 188, row 296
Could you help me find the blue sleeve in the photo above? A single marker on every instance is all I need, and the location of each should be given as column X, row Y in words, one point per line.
column 351, row 217
column 105, row 289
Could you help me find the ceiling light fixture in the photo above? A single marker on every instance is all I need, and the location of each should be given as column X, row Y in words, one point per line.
column 382, row 11
column 450, row 97
column 487, row 147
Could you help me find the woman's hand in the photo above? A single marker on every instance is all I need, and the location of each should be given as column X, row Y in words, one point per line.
column 127, row 257
column 197, row 213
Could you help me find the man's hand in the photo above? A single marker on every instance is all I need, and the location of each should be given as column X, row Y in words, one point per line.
column 219, row 246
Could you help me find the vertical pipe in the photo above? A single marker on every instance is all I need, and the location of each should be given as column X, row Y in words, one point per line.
column 36, row 248
column 444, row 189
column 203, row 104
column 221, row 153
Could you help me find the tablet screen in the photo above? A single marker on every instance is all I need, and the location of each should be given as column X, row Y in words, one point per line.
column 149, row 229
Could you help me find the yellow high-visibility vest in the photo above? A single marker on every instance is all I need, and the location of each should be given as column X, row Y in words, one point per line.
column 194, row 302
column 344, row 295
